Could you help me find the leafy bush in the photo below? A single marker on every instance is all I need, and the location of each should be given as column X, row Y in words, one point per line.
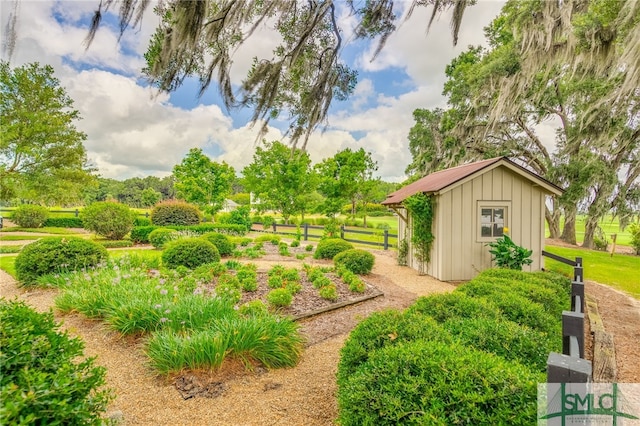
column 222, row 242
column 308, row 247
column 634, row 229
column 280, row 297
column 254, row 308
column 329, row 247
column 508, row 254
column 160, row 236
column 321, row 281
column 267, row 222
column 228, row 288
column 174, row 212
column 329, row 292
column 189, row 252
column 140, row 234
column 42, row 378
column 275, row 281
column 240, row 216
column 295, row 243
column 272, row 238
column 109, row 219
column 283, row 249
column 435, row 383
column 141, row 221
column 355, row 260
column 63, row 222
column 30, row 216
column 441, row 307
column 57, row 254
column 115, row 243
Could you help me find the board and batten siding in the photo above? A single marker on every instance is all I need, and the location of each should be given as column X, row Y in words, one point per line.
column 457, row 255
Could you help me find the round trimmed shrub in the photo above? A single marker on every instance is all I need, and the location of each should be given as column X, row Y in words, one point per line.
column 280, row 297
column 56, row 254
column 109, row 219
column 189, row 252
column 175, row 212
column 329, row 247
column 161, row 236
column 222, row 242
column 30, row 216
column 435, row 383
column 44, row 376
column 355, row 260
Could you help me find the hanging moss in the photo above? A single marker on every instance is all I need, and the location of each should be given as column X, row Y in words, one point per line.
column 420, row 207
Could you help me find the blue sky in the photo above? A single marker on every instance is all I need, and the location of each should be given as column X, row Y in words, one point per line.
column 134, row 131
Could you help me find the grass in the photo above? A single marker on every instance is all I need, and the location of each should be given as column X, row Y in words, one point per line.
column 619, row 271
column 44, row 230
column 7, row 264
column 19, row 237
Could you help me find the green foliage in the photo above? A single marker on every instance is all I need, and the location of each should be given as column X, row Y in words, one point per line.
column 229, row 288
column 160, row 236
column 329, row 292
column 283, row 249
column 403, row 251
column 42, row 378
column 141, row 221
column 202, row 182
column 634, row 228
column 222, row 242
column 355, row 260
column 280, row 297
column 57, row 254
column 267, row 221
column 328, row 248
column 42, row 157
column 64, row 222
column 272, row 238
column 240, row 216
column 189, row 252
column 421, row 206
column 295, row 243
column 109, row 219
column 508, row 254
column 431, row 382
column 140, row 234
column 280, row 177
column 115, row 243
column 174, row 212
column 254, row 308
column 30, row 216
column 308, row 247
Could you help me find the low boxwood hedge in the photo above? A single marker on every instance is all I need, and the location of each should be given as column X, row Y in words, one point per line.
column 140, row 234
column 63, row 222
column 329, row 247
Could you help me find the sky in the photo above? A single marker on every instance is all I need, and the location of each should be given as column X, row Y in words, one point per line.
column 134, row 131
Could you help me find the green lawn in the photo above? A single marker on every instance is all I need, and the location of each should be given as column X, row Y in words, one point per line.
column 7, row 264
column 19, row 237
column 620, row 271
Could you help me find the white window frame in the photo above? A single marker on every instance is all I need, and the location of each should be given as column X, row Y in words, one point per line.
column 491, row 205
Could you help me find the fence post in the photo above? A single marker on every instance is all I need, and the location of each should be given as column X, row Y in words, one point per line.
column 572, row 325
column 578, row 272
column 274, row 226
column 76, row 212
column 306, row 231
column 577, row 291
column 567, row 369
column 146, row 214
column 342, row 231
column 386, row 239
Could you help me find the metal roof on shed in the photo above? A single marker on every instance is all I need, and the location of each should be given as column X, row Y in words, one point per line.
column 438, row 181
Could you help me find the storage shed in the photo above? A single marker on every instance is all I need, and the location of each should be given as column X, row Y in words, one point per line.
column 474, row 203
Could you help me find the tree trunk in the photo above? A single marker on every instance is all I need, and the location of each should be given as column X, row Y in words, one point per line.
column 589, row 231
column 553, row 220
column 569, row 230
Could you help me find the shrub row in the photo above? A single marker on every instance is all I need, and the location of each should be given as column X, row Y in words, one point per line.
column 140, row 234
column 64, row 222
column 473, row 356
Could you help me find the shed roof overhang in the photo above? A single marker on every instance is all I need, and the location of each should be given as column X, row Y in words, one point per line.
column 446, row 180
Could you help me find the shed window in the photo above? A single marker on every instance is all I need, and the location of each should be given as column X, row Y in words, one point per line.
column 492, row 222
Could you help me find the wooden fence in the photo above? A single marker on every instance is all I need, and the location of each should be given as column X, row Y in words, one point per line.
column 305, row 229
column 570, row 366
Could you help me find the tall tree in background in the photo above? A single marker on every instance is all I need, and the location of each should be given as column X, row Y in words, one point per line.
column 494, row 112
column 202, row 181
column 281, row 178
column 42, row 157
column 347, row 177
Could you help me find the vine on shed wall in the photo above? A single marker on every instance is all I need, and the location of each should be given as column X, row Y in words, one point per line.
column 421, row 208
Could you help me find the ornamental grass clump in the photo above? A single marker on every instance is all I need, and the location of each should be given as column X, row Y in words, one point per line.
column 280, row 298
column 329, row 292
column 186, row 324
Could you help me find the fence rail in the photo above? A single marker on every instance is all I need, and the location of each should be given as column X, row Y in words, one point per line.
column 570, row 366
column 344, row 231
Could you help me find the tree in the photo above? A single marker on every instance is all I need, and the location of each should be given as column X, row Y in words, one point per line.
column 492, row 112
column 42, row 157
column 149, row 197
column 280, row 177
column 202, row 181
column 347, row 177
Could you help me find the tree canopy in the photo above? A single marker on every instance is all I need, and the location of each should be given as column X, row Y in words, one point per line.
column 203, row 182
column 42, row 157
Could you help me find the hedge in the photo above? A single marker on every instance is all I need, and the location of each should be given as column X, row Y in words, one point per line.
column 64, row 222
column 140, row 234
